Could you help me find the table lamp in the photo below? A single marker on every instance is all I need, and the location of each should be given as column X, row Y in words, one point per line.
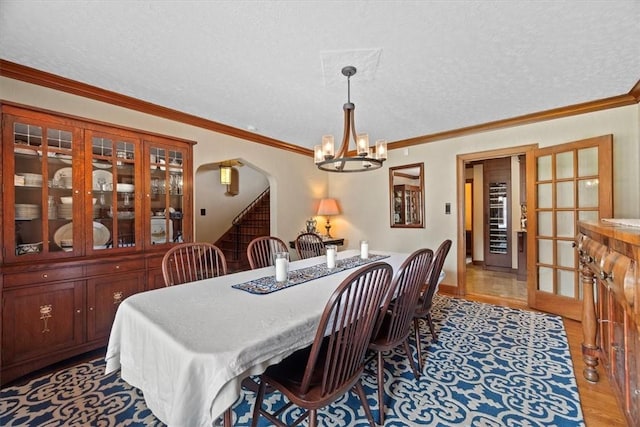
column 327, row 208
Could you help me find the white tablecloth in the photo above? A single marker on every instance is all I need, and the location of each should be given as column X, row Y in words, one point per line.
column 188, row 347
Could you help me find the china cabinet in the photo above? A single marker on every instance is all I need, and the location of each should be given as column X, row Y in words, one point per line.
column 87, row 208
column 407, row 204
column 609, row 253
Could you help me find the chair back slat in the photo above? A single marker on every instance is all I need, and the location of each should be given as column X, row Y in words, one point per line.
column 346, row 327
column 434, row 275
column 261, row 250
column 189, row 262
column 309, row 245
column 405, row 291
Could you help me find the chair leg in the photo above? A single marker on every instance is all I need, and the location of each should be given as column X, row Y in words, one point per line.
column 431, row 328
column 313, row 418
column 407, row 350
column 258, row 403
column 380, row 388
column 416, row 328
column 365, row 404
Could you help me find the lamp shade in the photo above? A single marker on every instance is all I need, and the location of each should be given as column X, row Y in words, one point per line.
column 328, row 207
column 225, row 175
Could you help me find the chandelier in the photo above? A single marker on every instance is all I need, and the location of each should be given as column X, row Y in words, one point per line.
column 366, row 158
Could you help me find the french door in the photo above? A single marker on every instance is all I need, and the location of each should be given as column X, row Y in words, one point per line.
column 570, row 182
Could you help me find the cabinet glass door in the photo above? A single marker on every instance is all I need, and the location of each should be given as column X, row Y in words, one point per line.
column 166, row 194
column 115, row 208
column 45, row 188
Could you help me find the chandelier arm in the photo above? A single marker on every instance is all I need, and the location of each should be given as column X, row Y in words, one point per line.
column 348, row 119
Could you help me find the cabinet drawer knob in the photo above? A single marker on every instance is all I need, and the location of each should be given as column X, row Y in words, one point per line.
column 78, row 311
column 90, row 308
column 117, row 267
column 45, row 276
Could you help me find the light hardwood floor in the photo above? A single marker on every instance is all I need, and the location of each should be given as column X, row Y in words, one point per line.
column 599, row 405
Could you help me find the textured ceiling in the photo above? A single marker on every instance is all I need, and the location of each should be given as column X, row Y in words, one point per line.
column 273, row 67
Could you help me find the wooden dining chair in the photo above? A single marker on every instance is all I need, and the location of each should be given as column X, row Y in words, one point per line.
column 318, row 375
column 261, row 250
column 425, row 302
column 189, row 262
column 309, row 245
column 394, row 324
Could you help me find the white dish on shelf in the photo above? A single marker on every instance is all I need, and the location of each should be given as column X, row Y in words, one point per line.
column 125, row 188
column 101, row 165
column 25, row 149
column 101, row 234
column 98, row 176
column 64, row 158
column 64, row 177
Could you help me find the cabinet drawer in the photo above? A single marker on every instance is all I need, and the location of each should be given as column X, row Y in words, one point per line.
column 155, row 262
column 42, row 276
column 114, row 267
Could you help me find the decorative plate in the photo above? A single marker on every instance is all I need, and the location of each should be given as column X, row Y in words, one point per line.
column 62, row 174
column 101, row 234
column 98, row 176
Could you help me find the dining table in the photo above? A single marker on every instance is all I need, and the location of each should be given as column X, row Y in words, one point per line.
column 189, row 347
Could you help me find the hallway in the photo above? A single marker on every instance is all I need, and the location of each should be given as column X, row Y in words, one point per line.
column 495, row 284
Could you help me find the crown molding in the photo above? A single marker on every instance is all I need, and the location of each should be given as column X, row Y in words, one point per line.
column 556, row 113
column 31, row 75
column 23, row 73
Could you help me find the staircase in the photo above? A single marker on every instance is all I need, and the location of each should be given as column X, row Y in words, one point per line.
column 252, row 222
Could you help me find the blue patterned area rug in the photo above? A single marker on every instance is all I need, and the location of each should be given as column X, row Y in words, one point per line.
column 491, row 366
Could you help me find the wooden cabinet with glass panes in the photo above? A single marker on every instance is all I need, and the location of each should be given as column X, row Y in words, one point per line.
column 85, row 207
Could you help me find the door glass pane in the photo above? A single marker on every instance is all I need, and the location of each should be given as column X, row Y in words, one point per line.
column 544, row 168
column 588, row 161
column 564, row 165
column 545, row 279
column 102, row 184
column 545, row 200
column 124, row 180
column 566, row 283
column 588, row 193
column 565, row 224
column 167, row 192
column 545, row 224
column 564, row 194
column 587, row 215
column 545, row 251
column 566, row 254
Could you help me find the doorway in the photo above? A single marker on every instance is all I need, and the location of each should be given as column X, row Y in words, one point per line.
column 472, row 272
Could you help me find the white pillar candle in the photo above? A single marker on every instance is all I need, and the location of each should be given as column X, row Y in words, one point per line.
column 282, row 266
column 331, row 256
column 364, row 249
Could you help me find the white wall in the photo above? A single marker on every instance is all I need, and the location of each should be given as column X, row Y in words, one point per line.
column 365, row 198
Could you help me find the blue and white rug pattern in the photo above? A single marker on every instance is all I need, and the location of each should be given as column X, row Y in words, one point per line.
column 491, row 366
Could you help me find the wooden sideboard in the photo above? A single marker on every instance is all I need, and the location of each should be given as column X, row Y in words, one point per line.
column 609, row 254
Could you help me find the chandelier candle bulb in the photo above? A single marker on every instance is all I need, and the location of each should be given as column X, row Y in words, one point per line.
column 364, row 249
column 282, row 266
column 381, row 149
column 331, row 256
column 327, row 146
column 363, row 144
column 318, row 155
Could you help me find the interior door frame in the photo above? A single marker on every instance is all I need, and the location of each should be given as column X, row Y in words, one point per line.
column 461, row 159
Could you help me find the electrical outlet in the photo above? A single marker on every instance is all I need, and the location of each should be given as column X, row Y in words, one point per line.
column 447, row 208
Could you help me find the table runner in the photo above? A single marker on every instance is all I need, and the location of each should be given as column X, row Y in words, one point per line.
column 268, row 284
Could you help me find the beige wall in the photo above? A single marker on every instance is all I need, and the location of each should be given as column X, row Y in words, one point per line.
column 364, row 198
